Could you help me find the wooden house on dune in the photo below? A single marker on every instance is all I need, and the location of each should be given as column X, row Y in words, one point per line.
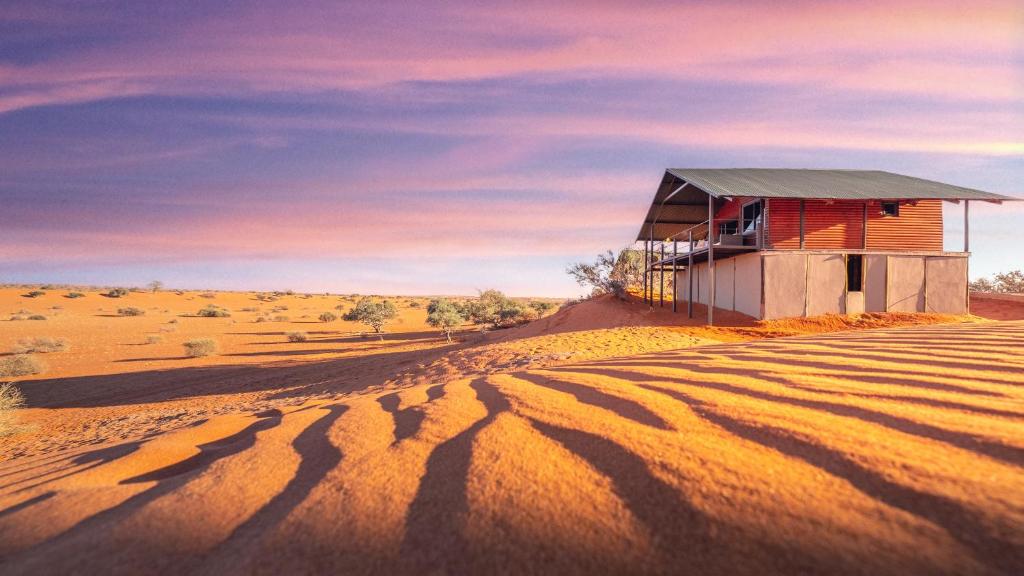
column 776, row 243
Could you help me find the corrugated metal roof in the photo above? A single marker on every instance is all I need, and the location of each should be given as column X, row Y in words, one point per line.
column 823, row 184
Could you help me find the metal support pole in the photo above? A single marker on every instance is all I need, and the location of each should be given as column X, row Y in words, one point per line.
column 864, row 228
column 645, row 271
column 661, row 278
column 689, row 279
column 711, row 260
column 650, row 283
column 675, row 255
column 967, row 227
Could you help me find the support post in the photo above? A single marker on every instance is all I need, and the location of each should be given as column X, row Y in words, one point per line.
column 689, row 279
column 967, row 264
column 711, row 260
column 650, row 283
column 675, row 255
column 646, row 260
column 802, row 222
column 661, row 278
column 967, row 227
column 864, row 228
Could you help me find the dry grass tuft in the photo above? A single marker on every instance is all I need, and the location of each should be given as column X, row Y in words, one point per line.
column 41, row 345
column 10, row 400
column 199, row 347
column 19, row 365
column 297, row 336
column 154, row 339
column 130, row 311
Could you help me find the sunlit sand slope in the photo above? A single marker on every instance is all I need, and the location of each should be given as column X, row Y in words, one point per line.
column 888, row 451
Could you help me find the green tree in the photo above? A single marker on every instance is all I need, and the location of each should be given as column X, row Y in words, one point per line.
column 610, row 274
column 445, row 315
column 376, row 315
column 155, row 286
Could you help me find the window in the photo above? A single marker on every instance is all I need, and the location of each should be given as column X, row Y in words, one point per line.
column 751, row 217
column 854, row 272
column 890, row 208
column 728, row 227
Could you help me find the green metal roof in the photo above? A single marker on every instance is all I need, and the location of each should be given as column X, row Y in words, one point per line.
column 824, row 184
column 676, row 207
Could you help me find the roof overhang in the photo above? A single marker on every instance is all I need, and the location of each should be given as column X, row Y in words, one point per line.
column 681, row 201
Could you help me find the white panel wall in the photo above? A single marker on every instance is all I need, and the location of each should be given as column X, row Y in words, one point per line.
column 748, row 284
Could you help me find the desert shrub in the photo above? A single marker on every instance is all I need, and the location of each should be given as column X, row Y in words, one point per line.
column 154, row 339
column 10, row 400
column 34, row 294
column 249, row 309
column 415, row 304
column 212, row 311
column 610, row 274
column 209, row 295
column 41, row 345
column 47, row 287
column 155, row 286
column 445, row 315
column 116, row 293
column 17, row 317
column 297, row 336
column 37, row 317
column 262, row 319
column 172, row 321
column 199, row 347
column 1004, row 282
column 340, row 307
column 279, row 308
column 74, row 295
column 130, row 311
column 495, row 309
column 19, row 365
column 571, row 302
column 376, row 315
column 328, row 317
column 541, row 307
column 281, row 319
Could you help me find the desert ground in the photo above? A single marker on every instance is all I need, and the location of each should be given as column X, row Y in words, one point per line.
column 604, row 438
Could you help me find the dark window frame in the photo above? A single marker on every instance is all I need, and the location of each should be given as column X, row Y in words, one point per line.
column 750, row 226
column 891, row 209
column 854, row 273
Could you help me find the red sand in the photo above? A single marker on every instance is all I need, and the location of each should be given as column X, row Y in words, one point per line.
column 599, row 440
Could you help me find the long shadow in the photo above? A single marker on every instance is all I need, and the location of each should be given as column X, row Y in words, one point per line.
column 168, row 479
column 408, row 420
column 1009, row 454
column 318, row 457
column 587, row 395
column 191, row 381
column 27, row 503
column 962, row 524
column 933, row 402
column 87, row 460
column 213, row 451
column 434, row 540
column 884, row 377
column 929, row 362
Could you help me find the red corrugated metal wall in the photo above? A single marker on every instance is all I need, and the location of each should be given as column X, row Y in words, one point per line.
column 840, row 225
column 918, row 227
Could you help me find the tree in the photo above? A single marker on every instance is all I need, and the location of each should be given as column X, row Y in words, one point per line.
column 610, row 274
column 541, row 307
column 445, row 315
column 1004, row 282
column 155, row 286
column 494, row 308
column 374, row 314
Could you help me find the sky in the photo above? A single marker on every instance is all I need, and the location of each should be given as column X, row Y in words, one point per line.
column 446, row 147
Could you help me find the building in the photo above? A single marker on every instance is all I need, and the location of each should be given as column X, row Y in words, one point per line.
column 776, row 243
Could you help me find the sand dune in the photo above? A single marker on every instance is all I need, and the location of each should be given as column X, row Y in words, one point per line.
column 596, row 441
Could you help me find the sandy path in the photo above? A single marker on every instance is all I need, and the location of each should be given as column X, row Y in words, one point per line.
column 888, row 451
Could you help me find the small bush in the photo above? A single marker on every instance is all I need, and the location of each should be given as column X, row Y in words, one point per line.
column 281, row 319
column 34, row 294
column 41, row 345
column 17, row 317
column 328, row 317
column 37, row 317
column 297, row 336
column 154, row 339
column 172, row 321
column 207, row 295
column 131, row 311
column 19, row 365
column 47, row 287
column 262, row 319
column 10, row 400
column 74, row 295
column 415, row 304
column 200, row 347
column 212, row 311
column 250, row 309
column 116, row 293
